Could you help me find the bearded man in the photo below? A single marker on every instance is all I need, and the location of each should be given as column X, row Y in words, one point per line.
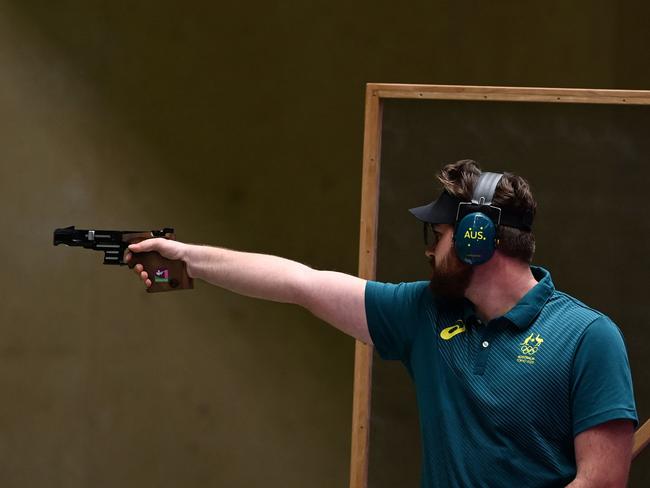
column 517, row 384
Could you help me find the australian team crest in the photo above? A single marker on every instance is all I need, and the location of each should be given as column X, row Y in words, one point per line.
column 529, row 348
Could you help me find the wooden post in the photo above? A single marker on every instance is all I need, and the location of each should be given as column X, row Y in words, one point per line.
column 367, row 270
column 641, row 438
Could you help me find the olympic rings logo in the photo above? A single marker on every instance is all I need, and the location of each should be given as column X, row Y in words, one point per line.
column 529, row 349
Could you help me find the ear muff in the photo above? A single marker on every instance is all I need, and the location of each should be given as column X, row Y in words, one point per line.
column 475, row 233
column 475, row 238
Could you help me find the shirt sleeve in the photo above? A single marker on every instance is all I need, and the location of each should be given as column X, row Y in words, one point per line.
column 601, row 381
column 391, row 312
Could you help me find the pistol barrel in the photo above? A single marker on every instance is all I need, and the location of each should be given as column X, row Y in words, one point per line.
column 70, row 236
column 112, row 243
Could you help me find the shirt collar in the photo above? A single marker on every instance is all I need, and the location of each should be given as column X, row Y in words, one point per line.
column 524, row 312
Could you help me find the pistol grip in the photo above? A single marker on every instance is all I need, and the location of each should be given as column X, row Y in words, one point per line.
column 165, row 274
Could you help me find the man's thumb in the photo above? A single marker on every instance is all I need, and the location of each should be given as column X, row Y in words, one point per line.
column 142, row 246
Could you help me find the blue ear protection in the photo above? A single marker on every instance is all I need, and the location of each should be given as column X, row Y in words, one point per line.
column 475, row 233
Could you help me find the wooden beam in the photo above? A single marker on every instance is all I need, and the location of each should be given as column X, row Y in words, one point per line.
column 511, row 94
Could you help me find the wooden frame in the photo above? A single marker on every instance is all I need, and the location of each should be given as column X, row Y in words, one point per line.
column 375, row 93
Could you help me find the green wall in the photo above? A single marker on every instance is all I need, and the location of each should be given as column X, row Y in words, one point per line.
column 240, row 124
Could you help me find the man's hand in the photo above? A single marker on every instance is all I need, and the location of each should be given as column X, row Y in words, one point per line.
column 165, row 247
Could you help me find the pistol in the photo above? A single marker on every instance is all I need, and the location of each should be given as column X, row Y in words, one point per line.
column 165, row 274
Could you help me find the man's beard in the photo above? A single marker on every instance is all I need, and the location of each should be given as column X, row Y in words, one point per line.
column 450, row 277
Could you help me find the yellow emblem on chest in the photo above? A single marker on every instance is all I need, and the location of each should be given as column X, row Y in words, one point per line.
column 452, row 331
column 529, row 347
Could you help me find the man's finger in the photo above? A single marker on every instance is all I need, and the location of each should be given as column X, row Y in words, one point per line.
column 144, row 246
column 136, row 247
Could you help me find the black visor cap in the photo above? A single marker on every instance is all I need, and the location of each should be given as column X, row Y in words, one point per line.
column 441, row 211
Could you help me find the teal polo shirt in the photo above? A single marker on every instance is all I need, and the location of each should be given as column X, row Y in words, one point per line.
column 500, row 403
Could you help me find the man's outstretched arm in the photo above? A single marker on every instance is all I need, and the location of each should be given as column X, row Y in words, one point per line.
column 337, row 298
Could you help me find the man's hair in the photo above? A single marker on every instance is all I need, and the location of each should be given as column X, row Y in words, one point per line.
column 512, row 195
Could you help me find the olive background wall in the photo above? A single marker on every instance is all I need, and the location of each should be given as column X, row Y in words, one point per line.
column 239, row 124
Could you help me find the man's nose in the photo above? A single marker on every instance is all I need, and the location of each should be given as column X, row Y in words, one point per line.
column 428, row 252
